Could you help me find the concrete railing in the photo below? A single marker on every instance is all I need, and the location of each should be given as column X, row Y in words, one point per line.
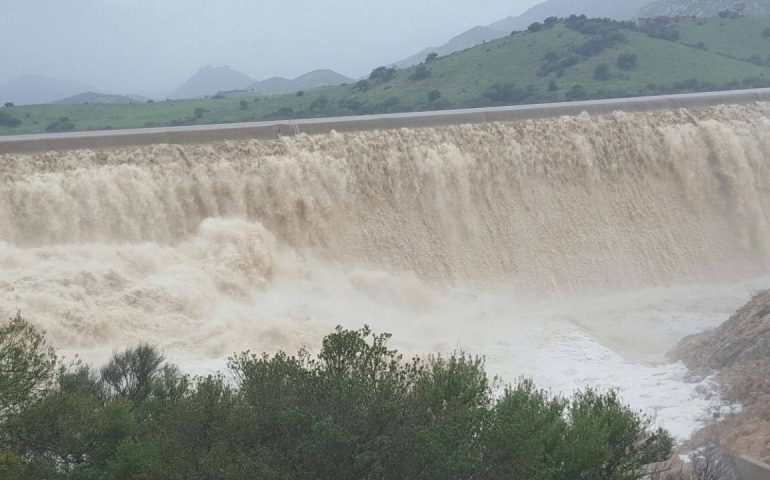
column 275, row 129
column 750, row 469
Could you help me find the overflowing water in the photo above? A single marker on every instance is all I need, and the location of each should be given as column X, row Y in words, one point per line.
column 576, row 250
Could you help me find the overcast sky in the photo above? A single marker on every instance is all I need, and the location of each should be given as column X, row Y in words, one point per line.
column 152, row 46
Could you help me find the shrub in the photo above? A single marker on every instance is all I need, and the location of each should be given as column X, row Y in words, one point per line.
column 626, row 61
column 63, row 124
column 199, row 112
column 26, row 364
column 390, row 104
column 577, row 92
column 300, row 93
column 358, row 409
column 219, row 96
column 431, row 57
column 319, row 104
column 383, row 74
column 434, row 95
column 243, row 105
column 535, row 27
column 8, row 104
column 130, row 374
column 7, row 120
column 766, row 32
column 550, row 22
column 553, row 86
column 421, row 72
column 506, row 92
column 602, row 72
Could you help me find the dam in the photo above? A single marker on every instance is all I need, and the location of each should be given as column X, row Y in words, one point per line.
column 575, row 249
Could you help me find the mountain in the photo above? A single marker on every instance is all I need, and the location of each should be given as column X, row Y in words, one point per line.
column 704, row 8
column 34, row 89
column 618, row 10
column 468, row 39
column 103, row 98
column 308, row 81
column 211, row 80
column 573, row 59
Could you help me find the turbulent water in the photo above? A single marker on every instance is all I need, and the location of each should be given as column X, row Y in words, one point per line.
column 575, row 250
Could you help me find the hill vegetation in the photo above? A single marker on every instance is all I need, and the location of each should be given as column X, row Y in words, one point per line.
column 555, row 60
column 357, row 410
column 704, row 8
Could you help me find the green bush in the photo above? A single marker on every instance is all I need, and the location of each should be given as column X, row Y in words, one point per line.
column 356, row 410
column 383, row 74
column 434, row 95
column 421, row 72
column 577, row 92
column 432, row 57
column 626, row 61
column 553, row 86
column 535, row 27
column 602, row 72
column 507, row 92
column 7, row 120
column 62, row 124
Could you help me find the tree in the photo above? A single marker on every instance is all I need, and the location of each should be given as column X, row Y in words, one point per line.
column 535, row 27
column 62, row 124
column 199, row 112
column 765, row 33
column 129, row 374
column 602, row 72
column 300, row 93
column 356, row 410
column 383, row 74
column 26, row 365
column 9, row 104
column 7, row 120
column 551, row 21
column 431, row 57
column 577, row 92
column 553, row 86
column 626, row 61
column 243, row 105
column 421, row 72
column 506, row 92
column 606, row 439
column 434, row 95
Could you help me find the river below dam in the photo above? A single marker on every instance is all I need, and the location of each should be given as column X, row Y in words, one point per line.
column 577, row 251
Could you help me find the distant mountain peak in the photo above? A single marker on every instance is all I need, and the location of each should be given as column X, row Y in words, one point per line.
column 209, row 80
column 37, row 89
column 308, row 81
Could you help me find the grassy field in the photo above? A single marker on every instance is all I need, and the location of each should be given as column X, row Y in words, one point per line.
column 741, row 38
column 563, row 61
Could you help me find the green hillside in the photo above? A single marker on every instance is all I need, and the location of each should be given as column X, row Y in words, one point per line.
column 744, row 38
column 570, row 59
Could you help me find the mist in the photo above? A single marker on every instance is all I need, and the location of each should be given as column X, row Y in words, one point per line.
column 149, row 47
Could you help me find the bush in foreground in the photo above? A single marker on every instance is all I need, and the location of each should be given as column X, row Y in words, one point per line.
column 357, row 410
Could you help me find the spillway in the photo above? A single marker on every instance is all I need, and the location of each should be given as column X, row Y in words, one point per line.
column 575, row 249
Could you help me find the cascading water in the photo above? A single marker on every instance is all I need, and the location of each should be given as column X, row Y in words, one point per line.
column 575, row 250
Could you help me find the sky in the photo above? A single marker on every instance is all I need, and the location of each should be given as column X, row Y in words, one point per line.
column 150, row 47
